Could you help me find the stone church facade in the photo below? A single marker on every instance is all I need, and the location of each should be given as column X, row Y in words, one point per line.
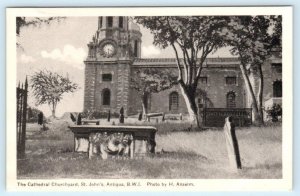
column 115, row 54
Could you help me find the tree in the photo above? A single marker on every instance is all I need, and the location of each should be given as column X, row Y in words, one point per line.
column 33, row 21
column 151, row 80
column 253, row 40
column 192, row 38
column 49, row 87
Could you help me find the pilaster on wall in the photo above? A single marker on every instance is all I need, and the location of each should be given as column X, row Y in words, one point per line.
column 123, row 87
column 89, row 87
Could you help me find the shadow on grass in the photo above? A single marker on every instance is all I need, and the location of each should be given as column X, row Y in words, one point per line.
column 179, row 155
column 262, row 171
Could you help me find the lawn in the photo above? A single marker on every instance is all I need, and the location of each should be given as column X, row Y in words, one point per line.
column 181, row 152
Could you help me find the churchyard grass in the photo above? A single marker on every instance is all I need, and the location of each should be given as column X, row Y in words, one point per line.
column 181, row 152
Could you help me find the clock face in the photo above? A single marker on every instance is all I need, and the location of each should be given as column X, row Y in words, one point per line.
column 108, row 49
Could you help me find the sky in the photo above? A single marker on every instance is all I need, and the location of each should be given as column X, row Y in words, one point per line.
column 62, row 47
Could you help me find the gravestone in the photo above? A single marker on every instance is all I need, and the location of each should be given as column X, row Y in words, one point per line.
column 140, row 116
column 108, row 116
column 232, row 144
column 79, row 122
column 40, row 118
column 121, row 115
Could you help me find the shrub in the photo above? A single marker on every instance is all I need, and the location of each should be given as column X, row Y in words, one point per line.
column 274, row 112
column 32, row 114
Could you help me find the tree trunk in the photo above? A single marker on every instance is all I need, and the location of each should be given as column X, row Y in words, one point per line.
column 53, row 113
column 189, row 97
column 257, row 119
column 144, row 104
column 53, row 109
column 260, row 93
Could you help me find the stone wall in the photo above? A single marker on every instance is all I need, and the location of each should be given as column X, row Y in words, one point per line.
column 119, row 87
column 89, row 86
column 216, row 89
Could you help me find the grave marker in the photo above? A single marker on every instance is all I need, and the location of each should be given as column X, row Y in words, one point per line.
column 232, row 144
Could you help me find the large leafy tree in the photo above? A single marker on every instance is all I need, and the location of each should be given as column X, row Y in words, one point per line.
column 33, row 21
column 49, row 87
column 151, row 80
column 253, row 39
column 192, row 39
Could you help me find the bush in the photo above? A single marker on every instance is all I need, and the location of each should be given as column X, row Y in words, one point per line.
column 32, row 114
column 274, row 112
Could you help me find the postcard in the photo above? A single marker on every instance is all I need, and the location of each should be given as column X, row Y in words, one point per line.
column 149, row 99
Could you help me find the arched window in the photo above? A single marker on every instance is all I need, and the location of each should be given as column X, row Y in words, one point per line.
column 231, row 100
column 173, row 102
column 277, row 89
column 120, row 22
column 106, row 97
column 135, row 48
column 109, row 21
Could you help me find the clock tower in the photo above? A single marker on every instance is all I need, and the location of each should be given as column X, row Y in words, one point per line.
column 115, row 45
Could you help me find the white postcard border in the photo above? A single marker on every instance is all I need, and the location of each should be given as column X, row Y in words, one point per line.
column 199, row 184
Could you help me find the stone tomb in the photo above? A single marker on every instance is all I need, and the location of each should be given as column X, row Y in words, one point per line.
column 111, row 141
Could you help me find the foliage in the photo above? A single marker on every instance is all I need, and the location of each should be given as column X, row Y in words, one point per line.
column 33, row 21
column 22, row 22
column 274, row 112
column 49, row 87
column 254, row 39
column 32, row 114
column 151, row 80
column 192, row 37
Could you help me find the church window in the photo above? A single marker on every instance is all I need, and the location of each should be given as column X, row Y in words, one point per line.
column 173, row 102
column 120, row 22
column 107, row 77
column 109, row 21
column 231, row 100
column 277, row 89
column 106, row 97
column 135, row 48
column 230, row 80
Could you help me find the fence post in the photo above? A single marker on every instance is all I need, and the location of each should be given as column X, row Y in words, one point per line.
column 21, row 118
column 232, row 144
column 24, row 119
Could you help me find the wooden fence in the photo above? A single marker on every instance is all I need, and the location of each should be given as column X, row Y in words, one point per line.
column 215, row 117
column 22, row 92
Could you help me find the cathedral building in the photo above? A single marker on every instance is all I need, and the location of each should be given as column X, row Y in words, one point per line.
column 115, row 54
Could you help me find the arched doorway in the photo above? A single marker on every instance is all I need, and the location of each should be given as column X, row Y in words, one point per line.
column 106, row 97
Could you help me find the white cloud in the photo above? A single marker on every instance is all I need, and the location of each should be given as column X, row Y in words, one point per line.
column 27, row 59
column 69, row 54
column 149, row 51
